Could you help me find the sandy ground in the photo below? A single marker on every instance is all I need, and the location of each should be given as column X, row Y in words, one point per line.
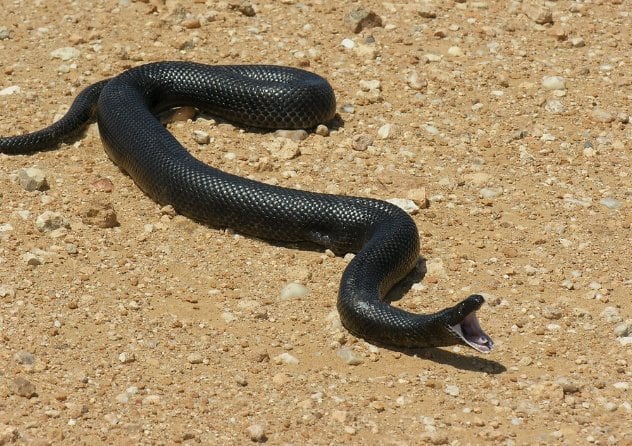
column 509, row 118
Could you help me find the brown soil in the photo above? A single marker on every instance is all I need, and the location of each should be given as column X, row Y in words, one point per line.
column 162, row 331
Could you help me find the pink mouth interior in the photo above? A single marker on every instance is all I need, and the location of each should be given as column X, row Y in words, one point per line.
column 470, row 331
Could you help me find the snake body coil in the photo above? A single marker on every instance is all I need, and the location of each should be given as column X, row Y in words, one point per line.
column 384, row 237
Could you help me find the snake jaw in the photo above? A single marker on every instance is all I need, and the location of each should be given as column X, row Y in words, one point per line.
column 466, row 327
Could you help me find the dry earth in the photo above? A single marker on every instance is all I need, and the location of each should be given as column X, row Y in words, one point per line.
column 509, row 119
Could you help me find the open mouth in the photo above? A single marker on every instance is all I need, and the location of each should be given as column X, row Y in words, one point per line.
column 470, row 331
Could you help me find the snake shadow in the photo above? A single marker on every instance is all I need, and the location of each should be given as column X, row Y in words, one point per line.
column 334, row 124
column 457, row 360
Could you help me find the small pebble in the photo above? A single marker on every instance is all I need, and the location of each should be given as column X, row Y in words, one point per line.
column 49, row 221
column 322, row 130
column 452, row 390
column 65, row 53
column 126, row 358
column 406, row 204
column 191, row 23
column 368, row 85
column 241, row 380
column 285, row 358
column 553, row 83
column 489, row 193
column 244, row 7
column 22, row 387
column 32, row 259
column 366, row 52
column 415, row 82
column 294, row 135
column 601, row 115
column 5, row 228
column 150, row 400
column 427, row 11
column 455, row 51
column 610, row 203
column 13, row 89
column 435, row 438
column 385, row 131
column 201, row 137
column 103, row 185
column 552, row 313
column 623, row 329
column 32, row 178
column 540, row 14
column 431, row 129
column 361, row 142
column 419, row 197
column 347, row 108
column 568, row 284
column 24, row 357
column 611, row 314
column 100, row 214
column 554, row 106
column 566, row 385
column 360, row 18
column 256, row 433
column 621, row 385
column 228, row 317
column 7, row 291
column 349, row 356
column 293, row 291
column 284, row 149
column 195, row 358
column 5, row 33
column 348, row 43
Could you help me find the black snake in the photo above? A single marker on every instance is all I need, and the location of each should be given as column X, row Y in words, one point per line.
column 383, row 236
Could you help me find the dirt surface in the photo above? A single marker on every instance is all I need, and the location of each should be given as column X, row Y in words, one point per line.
column 508, row 119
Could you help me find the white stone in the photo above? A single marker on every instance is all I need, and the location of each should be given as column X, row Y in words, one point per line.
column 32, row 178
column 349, row 356
column 368, row 85
column 293, row 291
column 455, row 51
column 452, row 390
column 553, row 83
column 286, row 358
column 10, row 90
column 201, row 137
column 48, row 221
column 404, row 203
column 626, row 340
column 65, row 53
column 385, row 131
column 348, row 43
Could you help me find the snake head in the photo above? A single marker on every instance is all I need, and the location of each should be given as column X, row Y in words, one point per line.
column 463, row 324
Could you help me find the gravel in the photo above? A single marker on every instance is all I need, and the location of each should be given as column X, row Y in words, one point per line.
column 555, row 162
